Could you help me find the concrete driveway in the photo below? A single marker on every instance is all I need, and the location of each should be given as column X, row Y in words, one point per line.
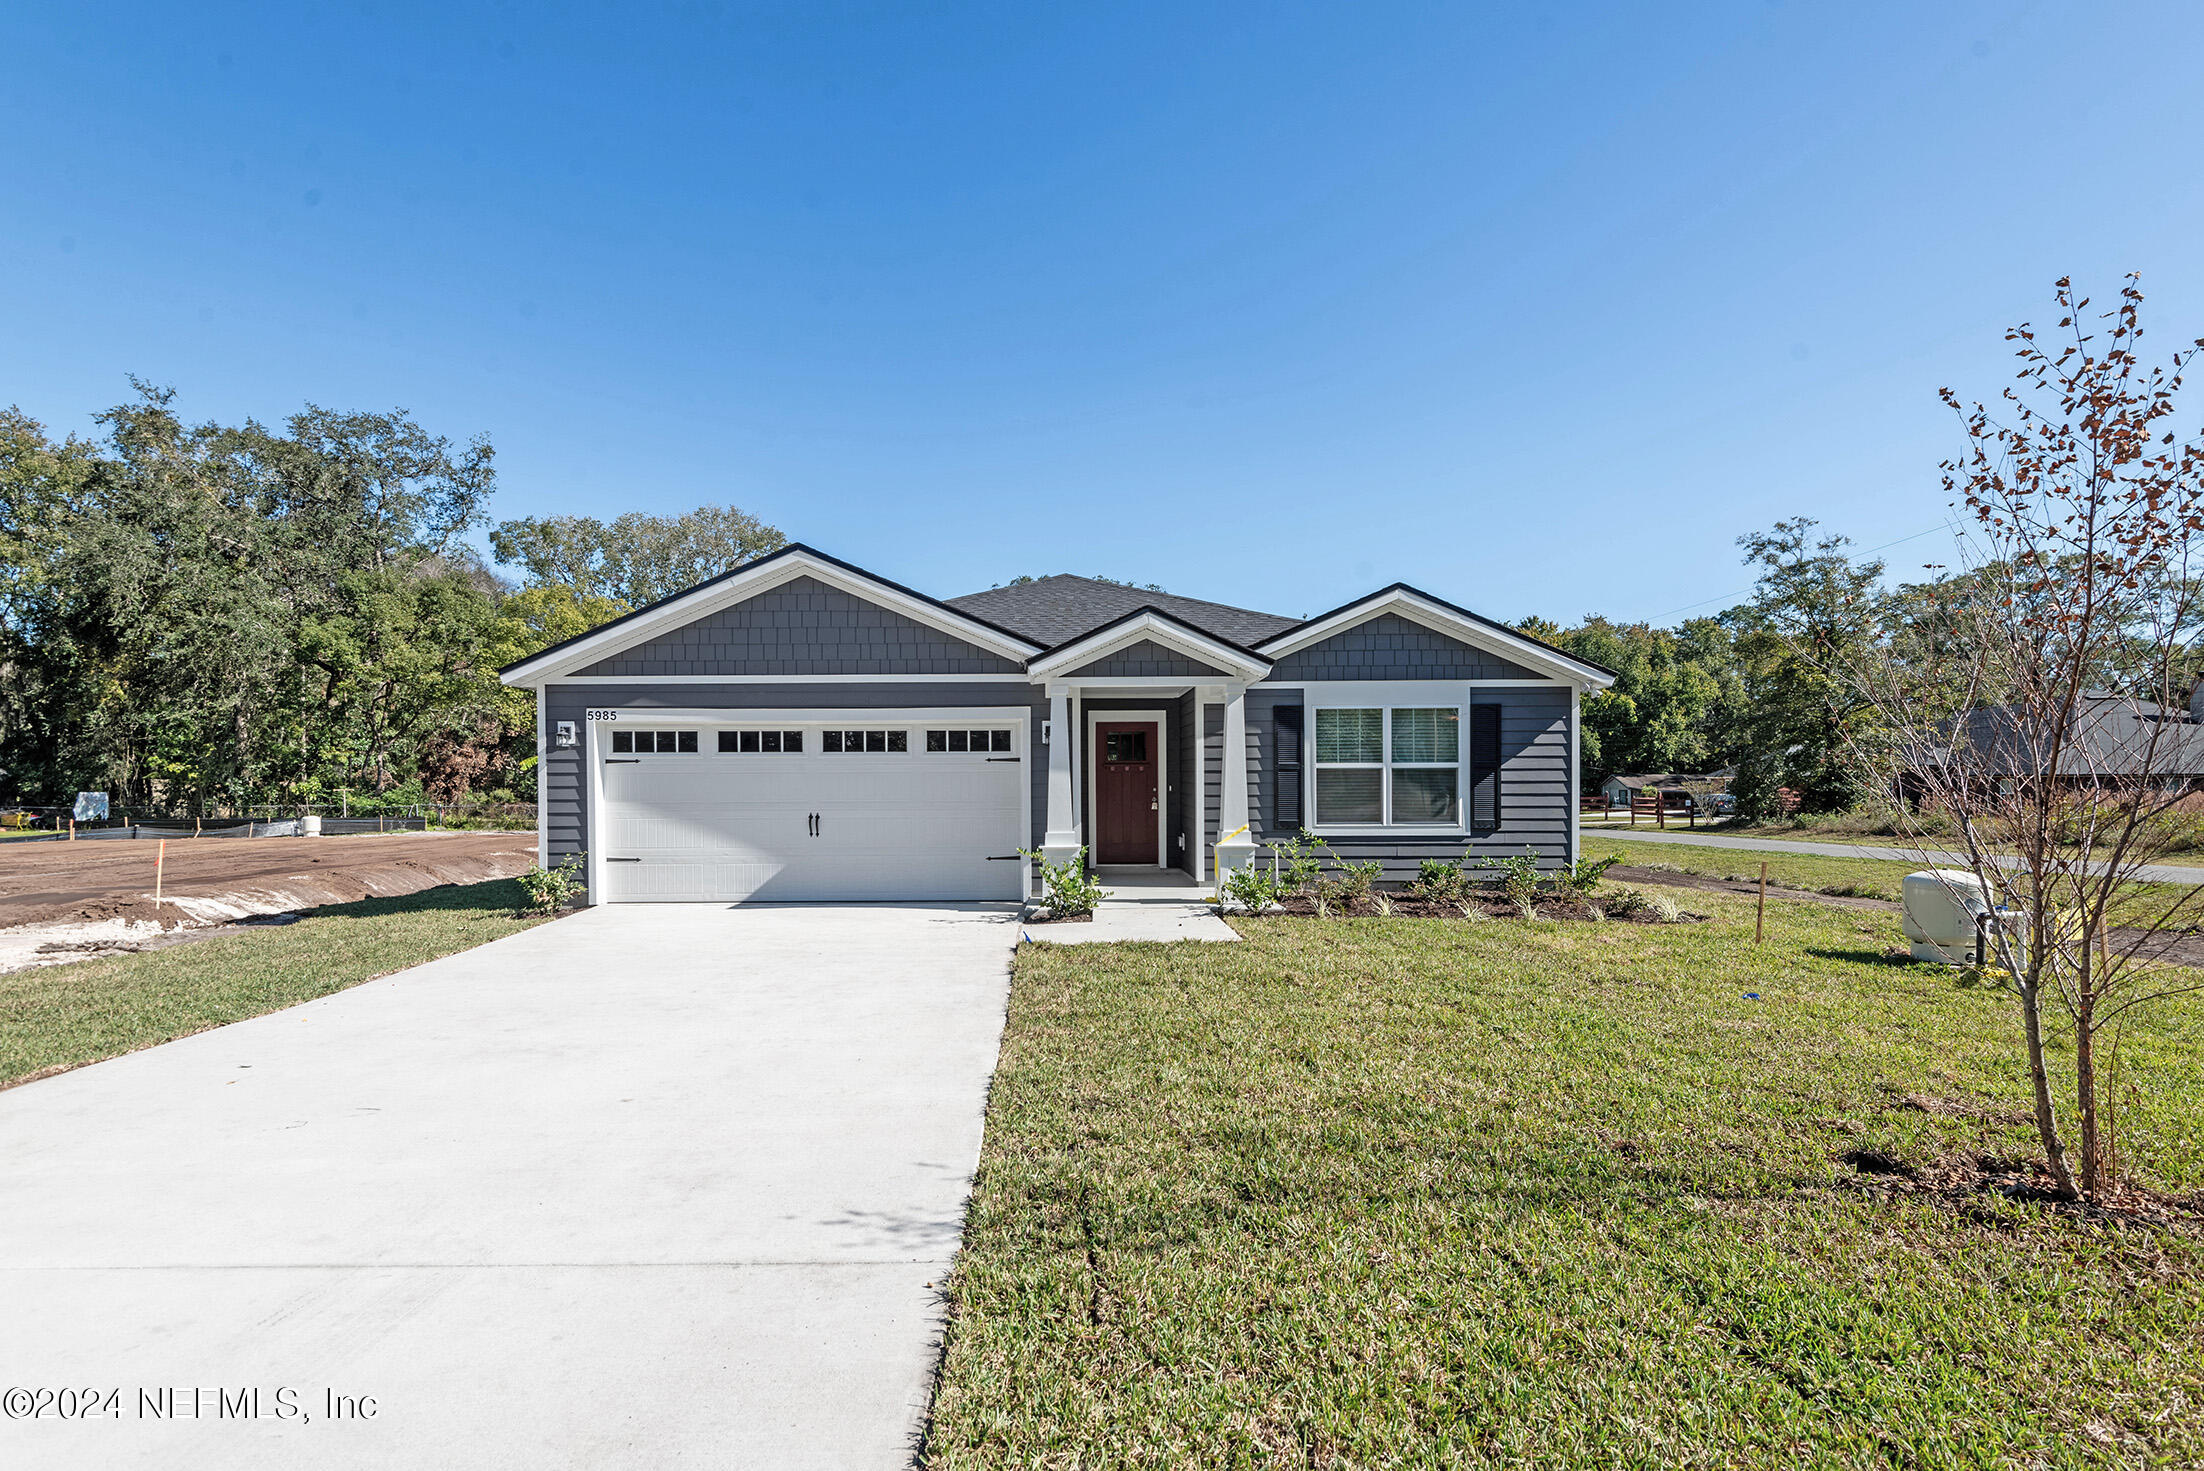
column 654, row 1186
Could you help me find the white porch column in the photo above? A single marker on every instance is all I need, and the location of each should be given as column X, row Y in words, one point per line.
column 1235, row 843
column 1576, row 728
column 1060, row 843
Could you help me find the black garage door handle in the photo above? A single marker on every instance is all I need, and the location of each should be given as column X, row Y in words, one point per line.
column 1004, row 857
column 623, row 860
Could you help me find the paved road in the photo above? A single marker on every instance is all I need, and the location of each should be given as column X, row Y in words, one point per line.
column 653, row 1186
column 2165, row 873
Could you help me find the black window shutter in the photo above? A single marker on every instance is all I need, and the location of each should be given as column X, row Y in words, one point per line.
column 1285, row 768
column 1484, row 766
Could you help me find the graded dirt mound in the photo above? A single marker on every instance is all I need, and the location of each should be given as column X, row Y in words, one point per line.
column 213, row 881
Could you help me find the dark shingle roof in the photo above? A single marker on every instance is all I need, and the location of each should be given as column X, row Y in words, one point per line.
column 2112, row 736
column 1055, row 610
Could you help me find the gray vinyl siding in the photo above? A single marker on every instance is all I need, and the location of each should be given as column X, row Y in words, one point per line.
column 1534, row 786
column 566, row 788
column 1148, row 660
column 1260, row 702
column 802, row 627
column 1392, row 647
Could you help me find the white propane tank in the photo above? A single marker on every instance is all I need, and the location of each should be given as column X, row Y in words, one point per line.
column 309, row 826
column 1941, row 906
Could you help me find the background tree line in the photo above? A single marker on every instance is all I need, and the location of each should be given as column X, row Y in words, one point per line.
column 198, row 616
column 195, row 616
column 1755, row 687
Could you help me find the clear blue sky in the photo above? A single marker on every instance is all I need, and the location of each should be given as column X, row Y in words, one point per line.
column 1537, row 307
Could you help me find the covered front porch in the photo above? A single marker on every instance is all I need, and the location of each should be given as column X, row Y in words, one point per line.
column 1147, row 747
column 1148, row 774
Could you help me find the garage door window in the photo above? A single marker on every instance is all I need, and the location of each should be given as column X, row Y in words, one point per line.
column 646, row 742
column 855, row 742
column 782, row 742
column 968, row 740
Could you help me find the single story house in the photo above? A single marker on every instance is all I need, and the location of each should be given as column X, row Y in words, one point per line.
column 802, row 729
column 2114, row 738
column 1617, row 790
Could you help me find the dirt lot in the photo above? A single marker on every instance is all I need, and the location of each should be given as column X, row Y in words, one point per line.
column 215, row 880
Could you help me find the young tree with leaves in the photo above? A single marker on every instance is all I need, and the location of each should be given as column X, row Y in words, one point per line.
column 1813, row 612
column 2039, row 697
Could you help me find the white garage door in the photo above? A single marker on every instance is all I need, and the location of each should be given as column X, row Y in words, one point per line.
column 856, row 810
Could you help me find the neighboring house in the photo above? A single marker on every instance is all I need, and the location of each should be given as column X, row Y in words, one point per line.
column 2114, row 738
column 801, row 729
column 1617, row 790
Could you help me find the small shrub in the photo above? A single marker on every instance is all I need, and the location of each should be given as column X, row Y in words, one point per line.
column 1639, row 905
column 1299, row 861
column 1384, row 902
column 1066, row 888
column 1352, row 881
column 1626, row 903
column 1252, row 888
column 549, row 890
column 1584, row 876
column 1519, row 880
column 1439, row 882
column 1355, row 880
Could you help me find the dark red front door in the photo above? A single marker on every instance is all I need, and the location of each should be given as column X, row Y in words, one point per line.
column 1126, row 792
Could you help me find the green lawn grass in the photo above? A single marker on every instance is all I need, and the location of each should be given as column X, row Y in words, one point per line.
column 1431, row 1193
column 1868, row 878
column 65, row 1015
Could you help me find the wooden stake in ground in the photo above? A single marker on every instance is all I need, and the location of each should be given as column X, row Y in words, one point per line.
column 160, row 861
column 1760, row 912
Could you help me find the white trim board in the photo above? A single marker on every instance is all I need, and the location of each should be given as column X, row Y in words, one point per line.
column 771, row 572
column 805, row 715
column 791, row 679
column 543, row 784
column 1161, row 719
column 1433, row 615
column 1162, row 629
column 1475, row 684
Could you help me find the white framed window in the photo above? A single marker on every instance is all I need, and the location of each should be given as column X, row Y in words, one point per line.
column 1387, row 765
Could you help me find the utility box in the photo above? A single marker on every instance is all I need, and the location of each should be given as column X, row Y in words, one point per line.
column 1942, row 907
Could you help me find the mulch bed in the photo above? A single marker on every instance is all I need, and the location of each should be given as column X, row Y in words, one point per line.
column 1963, row 1177
column 1550, row 906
